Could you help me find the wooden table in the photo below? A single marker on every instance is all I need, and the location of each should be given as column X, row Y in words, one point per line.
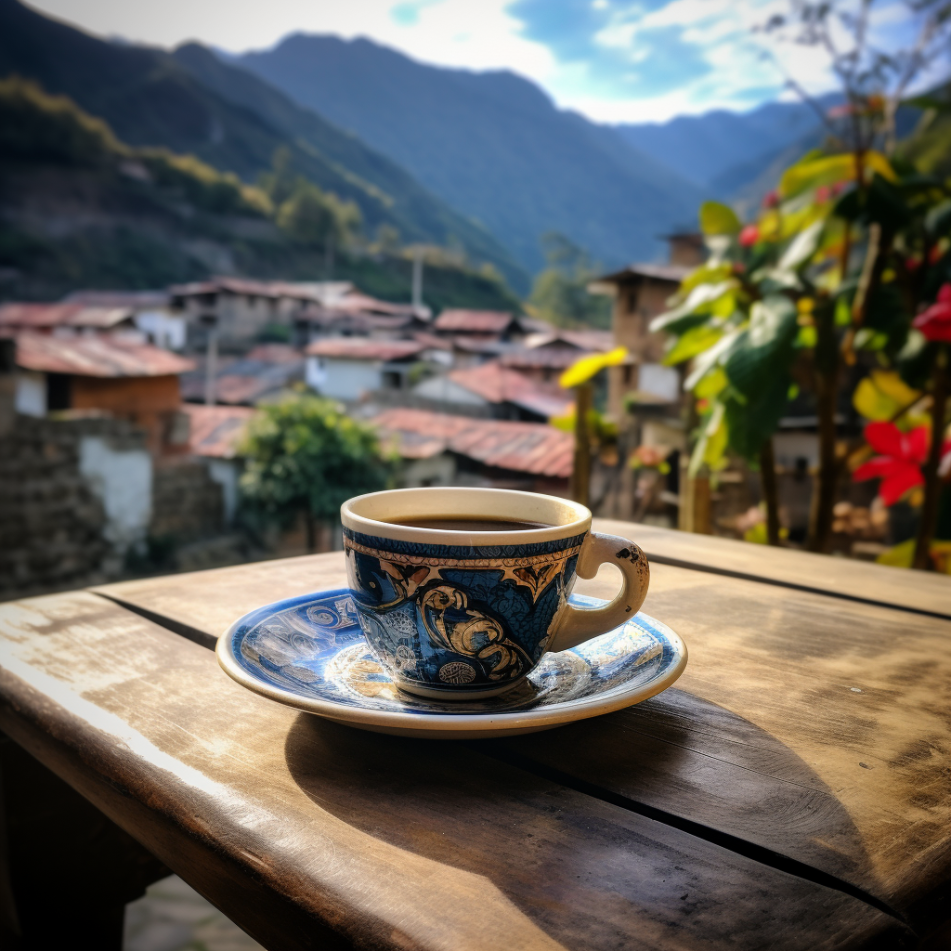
column 791, row 792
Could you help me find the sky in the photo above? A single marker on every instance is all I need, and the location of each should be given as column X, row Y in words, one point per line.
column 612, row 60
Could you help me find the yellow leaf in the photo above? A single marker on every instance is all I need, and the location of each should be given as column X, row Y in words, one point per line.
column 831, row 169
column 587, row 367
column 565, row 423
column 899, row 556
column 718, row 219
column 882, row 395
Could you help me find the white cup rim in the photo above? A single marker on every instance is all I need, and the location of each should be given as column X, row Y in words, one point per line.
column 562, row 517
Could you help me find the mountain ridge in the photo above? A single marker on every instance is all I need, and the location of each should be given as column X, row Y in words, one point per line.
column 492, row 145
column 150, row 98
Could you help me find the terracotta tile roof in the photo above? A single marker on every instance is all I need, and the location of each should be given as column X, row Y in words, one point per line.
column 359, row 348
column 100, row 356
column 431, row 341
column 473, row 321
column 274, row 353
column 216, row 430
column 500, row 384
column 50, row 316
column 521, row 447
column 478, row 343
column 548, row 358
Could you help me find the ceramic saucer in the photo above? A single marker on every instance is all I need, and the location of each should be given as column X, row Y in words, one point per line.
column 309, row 652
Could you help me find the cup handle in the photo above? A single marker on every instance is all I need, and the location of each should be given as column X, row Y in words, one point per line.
column 581, row 624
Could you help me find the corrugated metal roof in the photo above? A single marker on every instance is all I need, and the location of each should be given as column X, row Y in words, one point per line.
column 674, row 273
column 358, row 348
column 99, row 356
column 474, row 321
column 500, row 384
column 535, row 448
column 250, row 379
column 135, row 300
column 215, row 431
column 50, row 316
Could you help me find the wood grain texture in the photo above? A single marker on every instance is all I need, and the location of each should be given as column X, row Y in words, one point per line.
column 311, row 835
column 816, row 727
column 916, row 591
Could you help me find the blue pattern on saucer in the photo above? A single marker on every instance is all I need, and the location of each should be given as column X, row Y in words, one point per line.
column 313, row 647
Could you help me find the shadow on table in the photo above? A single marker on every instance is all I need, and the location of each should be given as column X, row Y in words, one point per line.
column 678, row 760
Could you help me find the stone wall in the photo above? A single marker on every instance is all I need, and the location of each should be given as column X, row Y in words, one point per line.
column 53, row 522
column 186, row 502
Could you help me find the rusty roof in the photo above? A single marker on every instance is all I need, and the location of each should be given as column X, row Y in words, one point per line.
column 99, row 356
column 360, row 348
column 500, row 384
column 548, row 358
column 50, row 316
column 521, row 447
column 474, row 321
column 215, row 431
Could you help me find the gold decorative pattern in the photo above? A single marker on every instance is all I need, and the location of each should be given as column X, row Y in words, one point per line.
column 434, row 561
column 480, row 636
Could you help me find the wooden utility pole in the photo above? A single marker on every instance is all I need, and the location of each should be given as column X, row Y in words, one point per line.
column 581, row 471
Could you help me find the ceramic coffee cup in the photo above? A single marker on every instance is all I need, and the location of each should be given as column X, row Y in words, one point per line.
column 462, row 614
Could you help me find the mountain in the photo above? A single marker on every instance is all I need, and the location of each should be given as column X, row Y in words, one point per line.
column 491, row 144
column 703, row 148
column 194, row 103
column 80, row 208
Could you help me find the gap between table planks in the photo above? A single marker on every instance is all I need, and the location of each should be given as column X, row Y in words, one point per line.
column 816, row 728
column 919, row 592
column 309, row 834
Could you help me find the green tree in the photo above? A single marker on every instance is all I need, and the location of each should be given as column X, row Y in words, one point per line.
column 303, row 455
column 311, row 216
column 560, row 293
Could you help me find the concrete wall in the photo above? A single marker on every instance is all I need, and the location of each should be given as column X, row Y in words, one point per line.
column 31, row 393
column 164, row 328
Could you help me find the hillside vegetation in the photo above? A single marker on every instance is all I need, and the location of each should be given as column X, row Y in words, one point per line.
column 191, row 104
column 81, row 208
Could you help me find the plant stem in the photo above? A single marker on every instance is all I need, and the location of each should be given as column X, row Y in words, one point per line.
column 929, row 507
column 767, row 474
column 827, row 368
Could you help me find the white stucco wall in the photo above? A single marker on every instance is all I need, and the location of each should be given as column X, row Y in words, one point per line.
column 437, row 470
column 226, row 472
column 30, row 397
column 343, row 379
column 122, row 479
column 660, row 380
column 166, row 329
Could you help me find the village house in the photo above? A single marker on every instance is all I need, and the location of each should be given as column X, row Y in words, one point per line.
column 496, row 391
column 132, row 381
column 350, row 368
column 152, row 313
column 545, row 355
column 70, row 320
column 445, row 449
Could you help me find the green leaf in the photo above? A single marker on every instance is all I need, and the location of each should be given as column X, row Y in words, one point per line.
column 802, row 247
column 751, row 424
column 717, row 354
column 711, row 384
column 938, row 220
column 767, row 349
column 806, row 338
column 699, row 301
column 693, row 342
column 711, row 445
column 717, row 219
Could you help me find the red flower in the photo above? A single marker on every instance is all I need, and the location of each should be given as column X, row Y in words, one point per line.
column 935, row 254
column 823, row 194
column 935, row 322
column 749, row 236
column 770, row 200
column 899, row 462
column 912, row 264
